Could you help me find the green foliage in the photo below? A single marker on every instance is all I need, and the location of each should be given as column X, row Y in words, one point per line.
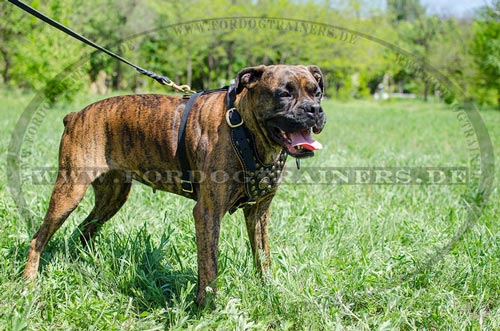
column 205, row 43
column 405, row 10
column 38, row 54
column 486, row 51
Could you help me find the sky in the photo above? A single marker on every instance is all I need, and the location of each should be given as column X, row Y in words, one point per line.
column 458, row 8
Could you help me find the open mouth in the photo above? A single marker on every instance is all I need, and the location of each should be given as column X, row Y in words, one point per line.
column 297, row 144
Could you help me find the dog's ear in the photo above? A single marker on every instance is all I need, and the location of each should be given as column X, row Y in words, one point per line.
column 248, row 77
column 318, row 75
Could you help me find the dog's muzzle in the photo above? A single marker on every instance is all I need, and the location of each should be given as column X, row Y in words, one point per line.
column 293, row 130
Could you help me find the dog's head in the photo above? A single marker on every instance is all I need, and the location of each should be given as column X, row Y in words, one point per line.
column 286, row 101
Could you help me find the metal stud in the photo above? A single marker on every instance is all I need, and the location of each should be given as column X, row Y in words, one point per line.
column 264, row 182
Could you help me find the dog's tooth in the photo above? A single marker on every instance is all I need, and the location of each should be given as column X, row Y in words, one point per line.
column 284, row 135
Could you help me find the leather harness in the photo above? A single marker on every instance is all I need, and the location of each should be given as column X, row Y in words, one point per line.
column 260, row 179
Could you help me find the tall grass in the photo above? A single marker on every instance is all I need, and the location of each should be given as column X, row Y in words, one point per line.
column 344, row 257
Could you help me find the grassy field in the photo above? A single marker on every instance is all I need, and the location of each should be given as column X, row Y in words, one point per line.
column 344, row 257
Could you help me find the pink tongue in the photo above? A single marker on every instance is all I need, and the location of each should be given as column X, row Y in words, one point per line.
column 304, row 139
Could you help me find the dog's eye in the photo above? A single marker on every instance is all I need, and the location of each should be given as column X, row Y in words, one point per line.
column 284, row 94
column 318, row 94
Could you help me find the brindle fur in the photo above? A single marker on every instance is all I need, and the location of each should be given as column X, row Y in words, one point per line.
column 111, row 139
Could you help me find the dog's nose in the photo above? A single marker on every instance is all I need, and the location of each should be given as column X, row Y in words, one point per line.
column 315, row 109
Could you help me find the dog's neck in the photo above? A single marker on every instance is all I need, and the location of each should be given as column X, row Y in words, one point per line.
column 267, row 151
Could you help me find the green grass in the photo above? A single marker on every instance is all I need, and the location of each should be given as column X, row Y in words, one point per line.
column 344, row 257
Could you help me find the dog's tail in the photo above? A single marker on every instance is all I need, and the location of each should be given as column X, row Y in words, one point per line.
column 68, row 118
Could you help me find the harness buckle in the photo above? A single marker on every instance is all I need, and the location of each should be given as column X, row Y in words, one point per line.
column 186, row 186
column 228, row 119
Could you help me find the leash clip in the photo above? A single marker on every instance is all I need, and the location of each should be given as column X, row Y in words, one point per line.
column 228, row 118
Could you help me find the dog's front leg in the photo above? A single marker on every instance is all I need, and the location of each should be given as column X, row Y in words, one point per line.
column 257, row 221
column 207, row 224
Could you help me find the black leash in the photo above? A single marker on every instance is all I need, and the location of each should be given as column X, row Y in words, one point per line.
column 159, row 78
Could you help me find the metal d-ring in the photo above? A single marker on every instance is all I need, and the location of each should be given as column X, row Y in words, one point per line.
column 228, row 119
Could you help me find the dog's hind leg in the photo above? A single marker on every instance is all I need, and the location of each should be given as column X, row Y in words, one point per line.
column 66, row 195
column 111, row 191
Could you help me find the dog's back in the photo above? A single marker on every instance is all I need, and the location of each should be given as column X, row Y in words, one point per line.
column 130, row 122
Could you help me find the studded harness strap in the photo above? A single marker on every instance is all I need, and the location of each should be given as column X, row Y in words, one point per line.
column 260, row 179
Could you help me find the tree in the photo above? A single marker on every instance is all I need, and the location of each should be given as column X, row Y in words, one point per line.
column 10, row 34
column 34, row 53
column 416, row 31
column 405, row 10
column 110, row 31
column 486, row 49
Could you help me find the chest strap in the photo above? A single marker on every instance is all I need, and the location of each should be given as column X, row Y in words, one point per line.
column 260, row 179
column 186, row 180
column 186, row 177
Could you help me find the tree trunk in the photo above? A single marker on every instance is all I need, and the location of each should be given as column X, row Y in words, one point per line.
column 426, row 90
column 117, row 76
column 230, row 55
column 6, row 70
column 210, row 69
column 189, row 70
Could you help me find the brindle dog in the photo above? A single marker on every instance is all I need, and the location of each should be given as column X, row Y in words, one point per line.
column 130, row 136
